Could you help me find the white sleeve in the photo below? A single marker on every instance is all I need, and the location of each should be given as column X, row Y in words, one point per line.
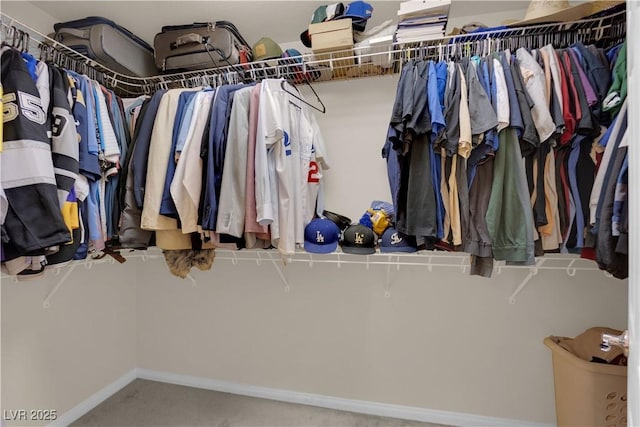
column 269, row 132
column 42, row 84
column 503, row 112
column 183, row 186
column 320, row 147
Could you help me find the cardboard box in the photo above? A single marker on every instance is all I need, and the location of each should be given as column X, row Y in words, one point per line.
column 331, row 35
column 332, row 41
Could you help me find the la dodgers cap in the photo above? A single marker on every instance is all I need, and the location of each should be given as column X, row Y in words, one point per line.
column 321, row 236
column 394, row 241
column 359, row 239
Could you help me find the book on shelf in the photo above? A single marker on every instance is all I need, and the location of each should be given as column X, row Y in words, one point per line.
column 420, row 31
column 418, row 21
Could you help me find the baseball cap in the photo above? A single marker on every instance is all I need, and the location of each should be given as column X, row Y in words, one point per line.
column 266, row 48
column 359, row 239
column 394, row 241
column 359, row 12
column 292, row 58
column 340, row 220
column 322, row 14
column 321, row 236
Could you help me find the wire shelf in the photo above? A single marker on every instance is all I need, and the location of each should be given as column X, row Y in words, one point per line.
column 384, row 59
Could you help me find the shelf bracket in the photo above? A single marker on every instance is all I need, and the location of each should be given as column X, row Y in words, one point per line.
column 47, row 301
column 192, row 279
column 285, row 282
column 532, row 272
column 387, row 287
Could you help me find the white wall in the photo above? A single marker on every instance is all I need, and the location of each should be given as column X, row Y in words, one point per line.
column 29, row 14
column 354, row 129
column 56, row 357
column 489, row 13
column 444, row 340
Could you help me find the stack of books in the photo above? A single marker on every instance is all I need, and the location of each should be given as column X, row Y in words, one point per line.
column 422, row 20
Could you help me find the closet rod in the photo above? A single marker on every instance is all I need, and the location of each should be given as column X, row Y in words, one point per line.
column 346, row 64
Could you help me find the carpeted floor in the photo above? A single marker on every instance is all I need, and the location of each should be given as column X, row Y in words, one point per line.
column 153, row 404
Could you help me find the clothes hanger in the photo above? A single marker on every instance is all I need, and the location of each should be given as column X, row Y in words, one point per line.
column 306, row 80
column 24, row 41
column 14, row 37
column 241, row 73
column 17, row 40
column 44, row 52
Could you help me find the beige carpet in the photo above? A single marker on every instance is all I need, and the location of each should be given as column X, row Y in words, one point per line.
column 153, row 404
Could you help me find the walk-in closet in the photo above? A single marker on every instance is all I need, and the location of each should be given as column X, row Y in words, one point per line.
column 474, row 161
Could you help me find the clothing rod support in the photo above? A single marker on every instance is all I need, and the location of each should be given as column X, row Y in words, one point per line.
column 192, row 279
column 387, row 287
column 47, row 301
column 287, row 287
column 533, row 271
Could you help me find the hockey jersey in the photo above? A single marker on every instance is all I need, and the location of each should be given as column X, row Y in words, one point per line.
column 34, row 220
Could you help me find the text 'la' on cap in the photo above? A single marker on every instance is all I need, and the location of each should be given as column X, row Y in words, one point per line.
column 359, row 239
column 321, row 236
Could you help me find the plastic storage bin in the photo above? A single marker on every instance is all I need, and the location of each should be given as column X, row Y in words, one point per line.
column 587, row 393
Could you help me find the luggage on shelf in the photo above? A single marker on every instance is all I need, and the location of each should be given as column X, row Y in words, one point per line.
column 200, row 45
column 109, row 44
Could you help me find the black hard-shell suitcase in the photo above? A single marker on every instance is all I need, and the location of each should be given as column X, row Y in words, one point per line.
column 109, row 44
column 200, row 45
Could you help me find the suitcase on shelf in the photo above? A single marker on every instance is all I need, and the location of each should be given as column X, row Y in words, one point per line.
column 200, row 45
column 109, row 44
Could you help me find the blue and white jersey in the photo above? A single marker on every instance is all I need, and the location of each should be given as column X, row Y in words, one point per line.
column 289, row 160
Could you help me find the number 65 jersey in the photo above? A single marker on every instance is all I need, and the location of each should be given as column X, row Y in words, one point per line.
column 34, row 220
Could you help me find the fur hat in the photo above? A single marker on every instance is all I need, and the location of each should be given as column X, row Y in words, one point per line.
column 180, row 261
column 203, row 259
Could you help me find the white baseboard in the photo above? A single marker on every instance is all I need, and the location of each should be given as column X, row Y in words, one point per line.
column 94, row 400
column 358, row 406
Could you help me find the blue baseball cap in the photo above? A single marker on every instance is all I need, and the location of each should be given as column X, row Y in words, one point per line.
column 394, row 241
column 321, row 236
column 358, row 10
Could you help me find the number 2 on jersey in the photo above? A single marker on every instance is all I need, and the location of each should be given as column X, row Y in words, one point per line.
column 314, row 172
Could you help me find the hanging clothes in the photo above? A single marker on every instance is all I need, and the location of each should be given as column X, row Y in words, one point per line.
column 28, row 176
column 534, row 119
